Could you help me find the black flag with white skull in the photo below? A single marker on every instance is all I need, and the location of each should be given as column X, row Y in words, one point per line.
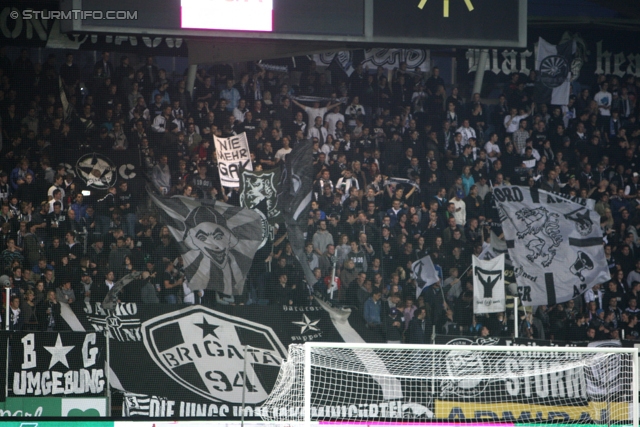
column 555, row 244
column 217, row 241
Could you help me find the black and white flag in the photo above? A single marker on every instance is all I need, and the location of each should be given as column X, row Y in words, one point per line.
column 555, row 244
column 260, row 190
column 488, row 285
column 424, row 273
column 553, row 64
column 295, row 193
column 217, row 241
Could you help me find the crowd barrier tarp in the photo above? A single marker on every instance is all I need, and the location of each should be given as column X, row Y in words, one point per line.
column 188, row 361
column 50, row 364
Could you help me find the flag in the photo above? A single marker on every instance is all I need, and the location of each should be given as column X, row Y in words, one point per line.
column 233, row 155
column 424, row 273
column 259, row 190
column 555, row 244
column 488, row 285
column 553, row 64
column 217, row 241
column 294, row 196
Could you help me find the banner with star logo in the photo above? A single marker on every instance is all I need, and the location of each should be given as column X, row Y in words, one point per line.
column 195, row 355
column 55, row 364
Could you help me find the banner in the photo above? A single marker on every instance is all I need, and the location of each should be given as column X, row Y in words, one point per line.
column 553, row 64
column 217, row 241
column 233, row 155
column 488, row 285
column 391, row 58
column 424, row 274
column 555, row 244
column 189, row 360
column 259, row 191
column 571, row 394
column 46, row 364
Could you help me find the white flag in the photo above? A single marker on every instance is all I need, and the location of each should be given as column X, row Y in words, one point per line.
column 233, row 155
column 555, row 244
column 488, row 285
column 424, row 273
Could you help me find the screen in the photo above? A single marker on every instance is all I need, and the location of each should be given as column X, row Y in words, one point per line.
column 245, row 15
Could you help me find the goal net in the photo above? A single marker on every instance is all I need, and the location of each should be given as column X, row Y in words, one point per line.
column 355, row 383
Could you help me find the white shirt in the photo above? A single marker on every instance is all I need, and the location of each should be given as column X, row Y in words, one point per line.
column 332, row 119
column 312, row 113
column 490, row 147
column 16, row 315
column 466, row 134
column 281, row 153
column 460, row 215
column 515, row 123
column 314, row 132
column 238, row 114
column 53, row 188
column 604, row 100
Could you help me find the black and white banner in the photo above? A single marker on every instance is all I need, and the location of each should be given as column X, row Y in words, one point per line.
column 555, row 244
column 189, row 360
column 259, row 191
column 217, row 241
column 488, row 285
column 55, row 364
column 233, row 155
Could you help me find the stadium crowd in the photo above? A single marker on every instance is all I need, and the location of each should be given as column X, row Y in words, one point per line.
column 403, row 168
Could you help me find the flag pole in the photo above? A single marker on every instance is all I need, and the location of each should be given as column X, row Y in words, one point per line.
column 465, row 272
column 515, row 317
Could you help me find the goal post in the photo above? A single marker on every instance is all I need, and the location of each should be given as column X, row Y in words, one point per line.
column 329, row 383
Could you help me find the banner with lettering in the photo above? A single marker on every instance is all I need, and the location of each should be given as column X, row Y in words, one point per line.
column 172, row 360
column 55, row 364
column 597, row 52
column 585, row 392
column 233, row 155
